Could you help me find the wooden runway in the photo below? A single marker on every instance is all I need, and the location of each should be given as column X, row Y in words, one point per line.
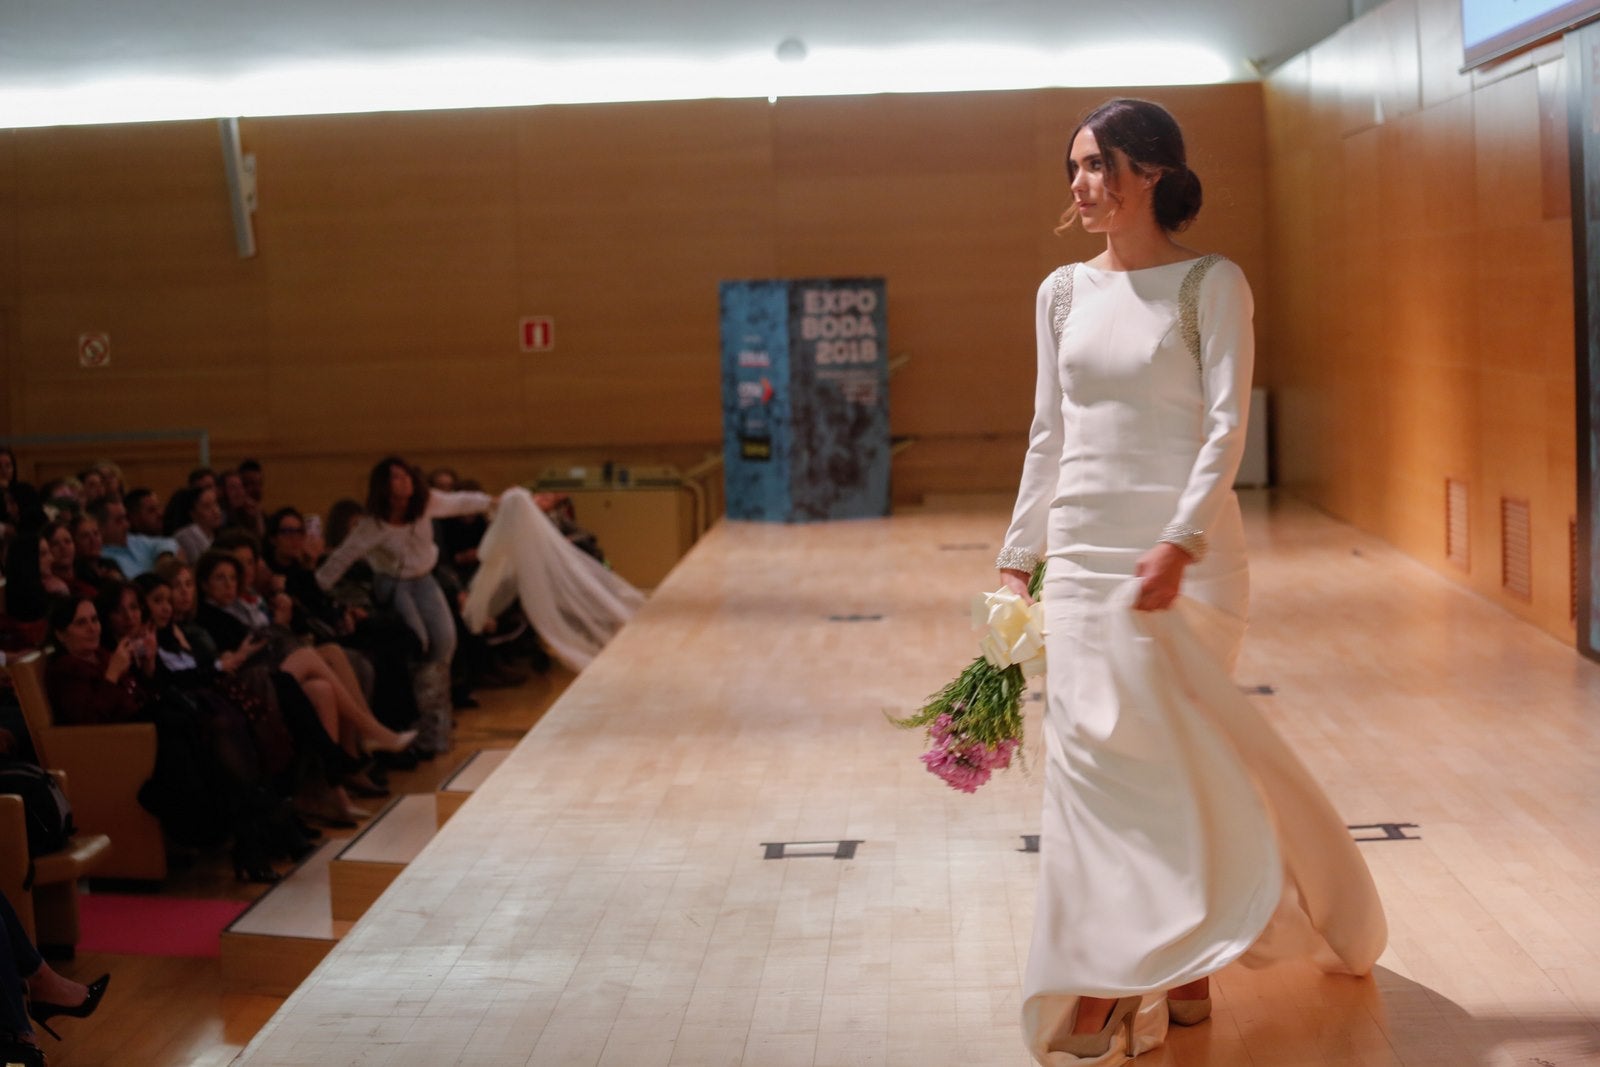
column 606, row 897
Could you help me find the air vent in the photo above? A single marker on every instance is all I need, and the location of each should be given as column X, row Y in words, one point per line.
column 1516, row 563
column 1455, row 523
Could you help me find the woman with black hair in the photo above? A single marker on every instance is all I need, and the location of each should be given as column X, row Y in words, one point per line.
column 395, row 536
column 1179, row 833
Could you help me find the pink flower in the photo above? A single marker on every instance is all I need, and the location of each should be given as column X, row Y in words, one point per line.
column 963, row 763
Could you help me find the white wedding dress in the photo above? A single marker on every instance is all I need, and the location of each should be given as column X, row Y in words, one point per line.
column 573, row 601
column 1179, row 833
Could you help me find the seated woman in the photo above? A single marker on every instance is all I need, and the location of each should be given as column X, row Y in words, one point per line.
column 205, row 519
column 380, row 637
column 395, row 537
column 207, row 781
column 30, row 988
column 27, row 571
column 342, row 711
column 61, row 578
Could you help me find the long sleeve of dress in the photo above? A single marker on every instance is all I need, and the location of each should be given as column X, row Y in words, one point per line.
column 363, row 535
column 1227, row 363
column 1025, row 539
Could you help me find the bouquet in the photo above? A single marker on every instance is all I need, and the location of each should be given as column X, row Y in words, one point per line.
column 975, row 722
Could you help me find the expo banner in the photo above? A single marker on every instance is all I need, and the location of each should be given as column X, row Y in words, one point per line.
column 805, row 399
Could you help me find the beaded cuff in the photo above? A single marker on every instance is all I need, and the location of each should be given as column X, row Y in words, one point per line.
column 1188, row 538
column 1016, row 559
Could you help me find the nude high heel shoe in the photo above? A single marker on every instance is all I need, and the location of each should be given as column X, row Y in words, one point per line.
column 1090, row 1046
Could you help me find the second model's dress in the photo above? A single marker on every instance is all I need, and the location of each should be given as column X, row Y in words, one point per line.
column 1179, row 833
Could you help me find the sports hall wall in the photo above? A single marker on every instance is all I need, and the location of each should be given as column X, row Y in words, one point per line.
column 397, row 252
column 1422, row 319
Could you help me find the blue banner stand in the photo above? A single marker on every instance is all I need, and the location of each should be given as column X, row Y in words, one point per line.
column 805, row 399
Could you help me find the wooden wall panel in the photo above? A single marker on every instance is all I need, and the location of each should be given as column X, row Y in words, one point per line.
column 628, row 216
column 397, row 252
column 1429, row 317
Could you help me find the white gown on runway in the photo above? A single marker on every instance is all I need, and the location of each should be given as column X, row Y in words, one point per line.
column 572, row 600
column 1179, row 833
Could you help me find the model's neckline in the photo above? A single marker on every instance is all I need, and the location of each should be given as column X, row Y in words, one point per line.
column 1141, row 270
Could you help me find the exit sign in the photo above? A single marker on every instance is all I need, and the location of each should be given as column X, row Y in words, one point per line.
column 538, row 333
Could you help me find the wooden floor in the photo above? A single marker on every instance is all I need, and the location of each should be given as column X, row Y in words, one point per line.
column 606, row 897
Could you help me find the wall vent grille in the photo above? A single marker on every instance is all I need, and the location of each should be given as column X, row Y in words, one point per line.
column 1455, row 523
column 1516, row 550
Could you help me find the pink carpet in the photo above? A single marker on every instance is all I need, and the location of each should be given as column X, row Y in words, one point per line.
column 134, row 925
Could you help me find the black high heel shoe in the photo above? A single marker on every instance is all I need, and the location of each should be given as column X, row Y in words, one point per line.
column 43, row 1011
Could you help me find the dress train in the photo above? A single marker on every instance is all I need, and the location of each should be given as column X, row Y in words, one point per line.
column 571, row 599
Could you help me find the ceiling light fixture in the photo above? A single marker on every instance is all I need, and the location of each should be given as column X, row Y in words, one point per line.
column 434, row 83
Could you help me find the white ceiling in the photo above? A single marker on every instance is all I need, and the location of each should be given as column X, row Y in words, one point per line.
column 55, row 44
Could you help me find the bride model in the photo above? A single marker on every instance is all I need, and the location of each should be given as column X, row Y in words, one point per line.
column 1179, row 832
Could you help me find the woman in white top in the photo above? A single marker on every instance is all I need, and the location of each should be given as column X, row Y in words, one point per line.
column 396, row 538
column 1178, row 832
column 205, row 519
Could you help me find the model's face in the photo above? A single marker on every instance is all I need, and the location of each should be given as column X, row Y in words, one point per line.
column 82, row 635
column 116, row 531
column 62, row 549
column 126, row 617
column 158, row 605
column 147, row 519
column 183, row 593
column 86, row 535
column 222, row 586
column 207, row 512
column 400, row 485
column 1108, row 192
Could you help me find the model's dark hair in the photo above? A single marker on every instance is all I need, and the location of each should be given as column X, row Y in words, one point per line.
column 378, row 490
column 1149, row 137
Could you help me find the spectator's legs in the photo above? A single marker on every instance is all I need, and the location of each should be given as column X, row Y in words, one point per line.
column 24, row 961
column 420, row 602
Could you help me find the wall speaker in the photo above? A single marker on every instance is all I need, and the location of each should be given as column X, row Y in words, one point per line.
column 241, row 171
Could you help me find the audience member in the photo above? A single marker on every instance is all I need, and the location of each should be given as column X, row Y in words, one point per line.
column 395, row 536
column 241, row 511
column 89, row 565
column 63, row 576
column 30, row 989
column 144, row 512
column 199, row 504
column 133, row 553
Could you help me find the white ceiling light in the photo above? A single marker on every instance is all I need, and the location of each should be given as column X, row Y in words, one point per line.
column 431, row 83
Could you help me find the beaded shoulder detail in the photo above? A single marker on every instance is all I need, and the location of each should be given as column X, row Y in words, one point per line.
column 1189, row 303
column 1061, row 298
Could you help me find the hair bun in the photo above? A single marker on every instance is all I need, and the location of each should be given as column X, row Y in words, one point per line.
column 1178, row 196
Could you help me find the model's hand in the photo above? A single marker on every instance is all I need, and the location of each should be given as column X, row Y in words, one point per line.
column 1017, row 582
column 1161, row 569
